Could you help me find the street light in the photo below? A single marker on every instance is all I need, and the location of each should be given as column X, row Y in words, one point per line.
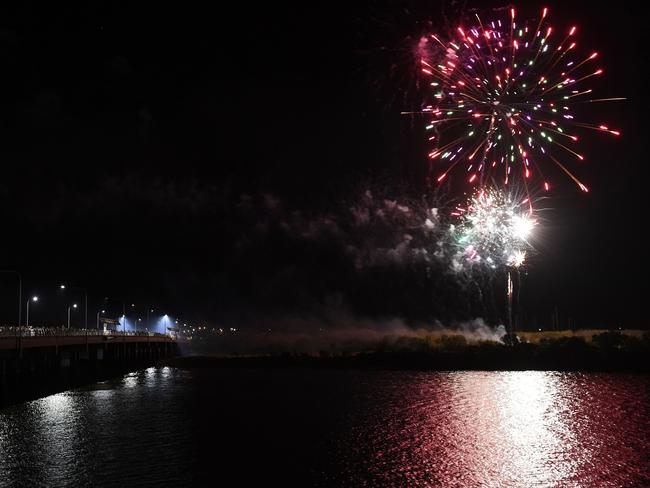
column 165, row 323
column 149, row 310
column 33, row 299
column 135, row 321
column 63, row 287
column 117, row 328
column 98, row 314
column 74, row 305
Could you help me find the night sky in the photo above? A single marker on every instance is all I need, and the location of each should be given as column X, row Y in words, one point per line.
column 142, row 143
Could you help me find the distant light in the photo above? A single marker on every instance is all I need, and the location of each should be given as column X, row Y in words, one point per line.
column 62, row 287
column 133, row 304
column 74, row 305
column 103, row 311
column 35, row 299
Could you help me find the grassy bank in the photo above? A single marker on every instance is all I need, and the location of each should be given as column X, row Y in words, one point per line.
column 586, row 334
column 580, row 351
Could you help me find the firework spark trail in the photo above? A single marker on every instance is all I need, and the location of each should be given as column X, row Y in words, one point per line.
column 503, row 96
column 494, row 229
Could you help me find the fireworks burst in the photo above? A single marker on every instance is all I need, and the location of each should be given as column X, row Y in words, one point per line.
column 494, row 229
column 505, row 91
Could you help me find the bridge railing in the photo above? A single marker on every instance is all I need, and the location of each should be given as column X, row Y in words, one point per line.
column 65, row 332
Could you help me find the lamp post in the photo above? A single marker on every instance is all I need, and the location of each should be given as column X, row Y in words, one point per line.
column 148, row 325
column 98, row 314
column 20, row 292
column 134, row 319
column 117, row 327
column 32, row 299
column 135, row 324
column 74, row 305
column 63, row 287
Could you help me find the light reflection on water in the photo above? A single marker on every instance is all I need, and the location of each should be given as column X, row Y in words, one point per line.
column 524, row 428
column 98, row 435
column 164, row 426
column 519, row 426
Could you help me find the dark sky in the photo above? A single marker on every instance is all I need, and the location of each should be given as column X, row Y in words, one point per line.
column 130, row 130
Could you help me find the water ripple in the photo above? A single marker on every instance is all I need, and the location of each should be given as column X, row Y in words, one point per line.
column 167, row 427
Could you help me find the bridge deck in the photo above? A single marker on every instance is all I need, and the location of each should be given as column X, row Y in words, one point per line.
column 11, row 342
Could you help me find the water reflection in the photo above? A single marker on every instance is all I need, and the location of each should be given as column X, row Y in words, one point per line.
column 516, row 425
column 130, row 380
column 99, row 435
column 58, row 408
column 528, row 428
column 164, row 426
column 58, row 437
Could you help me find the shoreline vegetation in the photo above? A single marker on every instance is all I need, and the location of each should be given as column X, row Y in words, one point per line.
column 594, row 350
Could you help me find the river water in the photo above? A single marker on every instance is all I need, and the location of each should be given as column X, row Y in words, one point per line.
column 293, row 427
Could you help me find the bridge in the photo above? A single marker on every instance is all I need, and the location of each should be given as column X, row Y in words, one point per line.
column 29, row 352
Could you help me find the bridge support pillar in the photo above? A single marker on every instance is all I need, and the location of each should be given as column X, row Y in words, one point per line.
column 64, row 359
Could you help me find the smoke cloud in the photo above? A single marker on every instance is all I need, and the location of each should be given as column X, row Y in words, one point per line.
column 340, row 334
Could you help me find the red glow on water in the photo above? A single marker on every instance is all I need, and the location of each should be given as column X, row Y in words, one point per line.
column 505, row 429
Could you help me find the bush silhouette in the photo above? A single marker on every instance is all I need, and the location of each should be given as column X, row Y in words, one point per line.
column 609, row 340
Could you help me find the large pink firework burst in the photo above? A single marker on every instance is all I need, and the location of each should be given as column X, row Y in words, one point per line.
column 504, row 93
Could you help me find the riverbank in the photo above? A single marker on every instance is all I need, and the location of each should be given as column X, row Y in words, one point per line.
column 606, row 351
